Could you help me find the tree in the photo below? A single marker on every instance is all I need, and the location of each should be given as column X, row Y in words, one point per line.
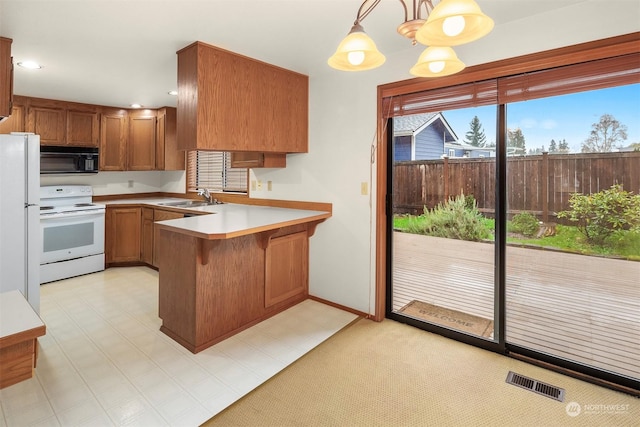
column 552, row 146
column 604, row 135
column 515, row 141
column 563, row 146
column 475, row 136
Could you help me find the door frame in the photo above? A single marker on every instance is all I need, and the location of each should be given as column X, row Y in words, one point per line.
column 570, row 55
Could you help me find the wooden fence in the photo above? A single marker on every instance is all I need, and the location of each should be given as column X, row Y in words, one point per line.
column 540, row 184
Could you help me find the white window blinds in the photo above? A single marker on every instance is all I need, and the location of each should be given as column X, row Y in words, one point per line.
column 212, row 170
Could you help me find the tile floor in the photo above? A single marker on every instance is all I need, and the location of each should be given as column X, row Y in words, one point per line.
column 104, row 362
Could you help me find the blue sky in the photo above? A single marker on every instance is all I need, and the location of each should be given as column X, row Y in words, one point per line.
column 566, row 117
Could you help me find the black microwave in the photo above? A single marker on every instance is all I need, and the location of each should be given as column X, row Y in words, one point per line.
column 62, row 159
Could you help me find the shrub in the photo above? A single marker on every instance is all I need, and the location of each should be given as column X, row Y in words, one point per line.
column 453, row 220
column 599, row 215
column 525, row 224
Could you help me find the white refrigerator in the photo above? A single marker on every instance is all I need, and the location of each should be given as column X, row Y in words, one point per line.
column 20, row 236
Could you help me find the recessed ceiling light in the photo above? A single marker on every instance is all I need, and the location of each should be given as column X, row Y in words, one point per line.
column 136, row 106
column 31, row 65
column 173, row 92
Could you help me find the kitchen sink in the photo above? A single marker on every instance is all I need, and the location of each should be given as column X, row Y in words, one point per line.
column 188, row 204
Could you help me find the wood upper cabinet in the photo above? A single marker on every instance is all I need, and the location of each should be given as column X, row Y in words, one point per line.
column 122, row 233
column 168, row 157
column 83, row 128
column 113, row 140
column 15, row 122
column 249, row 159
column 6, row 78
column 229, row 102
column 48, row 121
column 63, row 123
column 141, row 146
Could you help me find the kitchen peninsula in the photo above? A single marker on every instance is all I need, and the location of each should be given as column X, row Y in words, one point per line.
column 224, row 272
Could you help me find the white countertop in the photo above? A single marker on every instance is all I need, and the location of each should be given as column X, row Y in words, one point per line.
column 232, row 220
column 228, row 220
column 16, row 315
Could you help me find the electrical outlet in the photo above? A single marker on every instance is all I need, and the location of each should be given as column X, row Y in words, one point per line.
column 269, row 186
column 364, row 188
column 253, row 185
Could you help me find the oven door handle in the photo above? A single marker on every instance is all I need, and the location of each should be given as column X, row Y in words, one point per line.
column 72, row 215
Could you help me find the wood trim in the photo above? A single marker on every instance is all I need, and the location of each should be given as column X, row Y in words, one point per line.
column 574, row 54
column 569, row 55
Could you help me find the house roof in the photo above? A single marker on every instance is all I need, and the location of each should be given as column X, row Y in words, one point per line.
column 405, row 125
column 415, row 123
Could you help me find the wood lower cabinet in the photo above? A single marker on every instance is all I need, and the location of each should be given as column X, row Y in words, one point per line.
column 286, row 269
column 122, row 238
column 146, row 230
column 210, row 290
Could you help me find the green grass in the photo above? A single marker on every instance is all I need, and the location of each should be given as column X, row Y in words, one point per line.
column 624, row 244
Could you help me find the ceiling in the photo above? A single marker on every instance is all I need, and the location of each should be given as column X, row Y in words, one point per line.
column 112, row 52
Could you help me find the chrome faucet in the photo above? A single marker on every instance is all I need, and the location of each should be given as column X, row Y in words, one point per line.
column 204, row 192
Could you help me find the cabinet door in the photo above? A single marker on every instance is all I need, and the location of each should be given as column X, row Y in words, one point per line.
column 124, row 235
column 286, row 267
column 6, row 77
column 249, row 159
column 15, row 122
column 83, row 128
column 168, row 157
column 147, row 236
column 113, row 140
column 229, row 102
column 142, row 143
column 49, row 123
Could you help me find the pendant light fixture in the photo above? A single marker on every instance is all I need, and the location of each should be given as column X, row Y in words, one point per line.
column 449, row 23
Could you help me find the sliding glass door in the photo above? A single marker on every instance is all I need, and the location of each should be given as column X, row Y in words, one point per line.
column 513, row 214
column 443, row 219
column 573, row 270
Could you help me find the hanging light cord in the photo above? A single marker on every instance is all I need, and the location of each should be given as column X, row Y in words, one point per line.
column 363, row 11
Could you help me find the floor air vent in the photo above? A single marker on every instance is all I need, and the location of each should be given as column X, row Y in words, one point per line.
column 535, row 386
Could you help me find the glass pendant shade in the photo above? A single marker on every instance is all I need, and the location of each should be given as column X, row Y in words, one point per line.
column 357, row 52
column 454, row 22
column 437, row 61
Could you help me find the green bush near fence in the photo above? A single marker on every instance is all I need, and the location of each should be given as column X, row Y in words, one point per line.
column 599, row 215
column 524, row 223
column 460, row 219
column 457, row 218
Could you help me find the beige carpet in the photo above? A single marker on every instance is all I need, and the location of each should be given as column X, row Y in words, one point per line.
column 450, row 318
column 390, row 374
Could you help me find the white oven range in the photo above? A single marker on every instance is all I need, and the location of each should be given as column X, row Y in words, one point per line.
column 72, row 229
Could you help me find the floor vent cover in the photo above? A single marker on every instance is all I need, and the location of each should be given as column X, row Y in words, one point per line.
column 536, row 386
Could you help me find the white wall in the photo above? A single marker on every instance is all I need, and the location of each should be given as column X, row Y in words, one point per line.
column 105, row 183
column 342, row 126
